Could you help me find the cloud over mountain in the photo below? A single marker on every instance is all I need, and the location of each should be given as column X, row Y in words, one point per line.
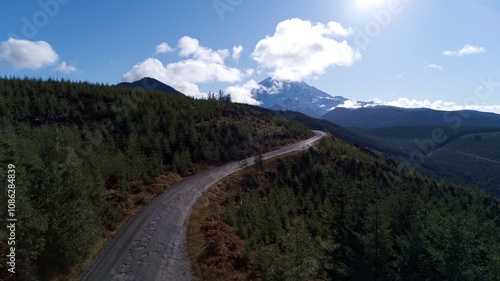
column 243, row 93
column 299, row 49
column 436, row 105
column 200, row 65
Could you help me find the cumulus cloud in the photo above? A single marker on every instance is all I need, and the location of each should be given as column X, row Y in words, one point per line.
column 65, row 68
column 466, row 50
column 191, row 47
column 433, row 67
column 201, row 65
column 299, row 49
column 244, row 93
column 437, row 105
column 163, row 48
column 25, row 54
column 237, row 50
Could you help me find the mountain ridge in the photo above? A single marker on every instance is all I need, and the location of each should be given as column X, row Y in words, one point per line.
column 389, row 116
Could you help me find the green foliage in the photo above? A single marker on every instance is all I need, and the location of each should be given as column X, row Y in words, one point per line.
column 338, row 213
column 79, row 146
column 472, row 159
column 466, row 155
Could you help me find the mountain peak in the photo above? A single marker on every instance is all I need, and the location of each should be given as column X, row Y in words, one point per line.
column 295, row 96
column 150, row 84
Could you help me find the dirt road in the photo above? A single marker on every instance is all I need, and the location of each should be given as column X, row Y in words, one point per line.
column 152, row 244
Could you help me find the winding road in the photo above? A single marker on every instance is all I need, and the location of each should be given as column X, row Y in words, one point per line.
column 152, row 244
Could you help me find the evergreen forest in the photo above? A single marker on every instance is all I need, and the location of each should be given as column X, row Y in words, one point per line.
column 87, row 156
column 336, row 212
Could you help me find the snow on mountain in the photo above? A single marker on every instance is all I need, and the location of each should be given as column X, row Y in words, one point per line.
column 295, row 96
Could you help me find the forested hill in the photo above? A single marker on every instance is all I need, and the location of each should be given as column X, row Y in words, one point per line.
column 150, row 84
column 86, row 155
column 336, row 212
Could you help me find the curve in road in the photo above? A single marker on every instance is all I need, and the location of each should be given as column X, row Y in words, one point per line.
column 152, row 244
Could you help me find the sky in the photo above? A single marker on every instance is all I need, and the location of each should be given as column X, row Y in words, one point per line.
column 408, row 53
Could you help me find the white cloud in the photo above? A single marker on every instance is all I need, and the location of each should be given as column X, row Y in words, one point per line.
column 249, row 72
column 336, row 29
column 437, row 105
column 202, row 65
column 64, row 68
column 400, row 75
column 466, row 50
column 191, row 47
column 27, row 54
column 275, row 87
column 299, row 49
column 237, row 50
column 163, row 48
column 244, row 93
column 151, row 67
column 433, row 67
column 351, row 104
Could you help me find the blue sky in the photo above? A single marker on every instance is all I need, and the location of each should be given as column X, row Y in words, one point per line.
column 411, row 53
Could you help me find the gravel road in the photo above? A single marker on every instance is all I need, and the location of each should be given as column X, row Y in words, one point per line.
column 152, row 244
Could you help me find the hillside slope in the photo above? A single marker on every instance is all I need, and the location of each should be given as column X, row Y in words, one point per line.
column 336, row 212
column 88, row 156
column 472, row 159
column 466, row 155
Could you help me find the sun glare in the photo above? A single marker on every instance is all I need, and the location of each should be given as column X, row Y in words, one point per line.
column 368, row 4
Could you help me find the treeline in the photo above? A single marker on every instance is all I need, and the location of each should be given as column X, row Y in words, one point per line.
column 337, row 213
column 81, row 150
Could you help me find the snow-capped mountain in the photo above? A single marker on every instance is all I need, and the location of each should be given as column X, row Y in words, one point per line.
column 295, row 96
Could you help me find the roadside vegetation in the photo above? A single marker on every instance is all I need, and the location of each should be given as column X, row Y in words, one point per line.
column 335, row 212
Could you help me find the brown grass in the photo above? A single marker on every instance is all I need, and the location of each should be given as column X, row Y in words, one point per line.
column 215, row 249
column 130, row 206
